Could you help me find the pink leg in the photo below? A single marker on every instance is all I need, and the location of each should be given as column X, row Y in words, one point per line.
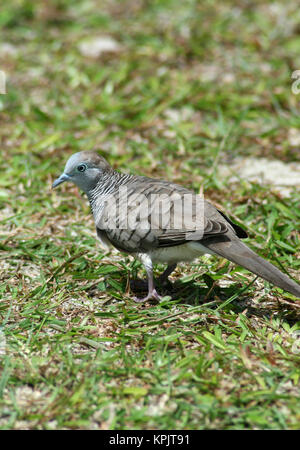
column 152, row 293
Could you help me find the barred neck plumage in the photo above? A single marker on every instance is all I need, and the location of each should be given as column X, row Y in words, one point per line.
column 109, row 183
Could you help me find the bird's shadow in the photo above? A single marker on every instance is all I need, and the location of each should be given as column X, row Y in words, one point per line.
column 196, row 293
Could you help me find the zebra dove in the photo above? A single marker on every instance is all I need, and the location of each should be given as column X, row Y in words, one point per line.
column 158, row 221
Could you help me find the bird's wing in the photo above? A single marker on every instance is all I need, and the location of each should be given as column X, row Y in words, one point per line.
column 153, row 214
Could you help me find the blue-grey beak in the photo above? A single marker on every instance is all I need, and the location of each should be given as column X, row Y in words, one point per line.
column 61, row 179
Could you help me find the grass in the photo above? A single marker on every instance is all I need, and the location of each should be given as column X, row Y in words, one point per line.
column 193, row 86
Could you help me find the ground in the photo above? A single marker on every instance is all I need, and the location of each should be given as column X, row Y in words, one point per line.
column 183, row 91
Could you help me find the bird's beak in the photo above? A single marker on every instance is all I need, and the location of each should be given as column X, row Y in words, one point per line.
column 61, row 179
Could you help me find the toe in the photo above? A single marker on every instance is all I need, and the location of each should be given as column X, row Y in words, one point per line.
column 151, row 296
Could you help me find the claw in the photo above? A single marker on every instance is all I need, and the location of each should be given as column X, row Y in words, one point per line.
column 153, row 295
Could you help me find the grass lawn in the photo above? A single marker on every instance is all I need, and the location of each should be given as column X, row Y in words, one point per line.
column 186, row 88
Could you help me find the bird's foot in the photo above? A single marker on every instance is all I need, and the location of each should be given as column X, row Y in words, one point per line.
column 152, row 295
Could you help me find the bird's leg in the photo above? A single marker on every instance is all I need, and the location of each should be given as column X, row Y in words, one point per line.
column 152, row 293
column 164, row 276
column 162, row 279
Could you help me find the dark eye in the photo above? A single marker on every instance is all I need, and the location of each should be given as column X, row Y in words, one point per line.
column 81, row 167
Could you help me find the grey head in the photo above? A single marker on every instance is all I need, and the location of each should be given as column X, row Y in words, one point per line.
column 85, row 169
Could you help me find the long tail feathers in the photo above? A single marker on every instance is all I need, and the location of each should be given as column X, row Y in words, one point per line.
column 236, row 251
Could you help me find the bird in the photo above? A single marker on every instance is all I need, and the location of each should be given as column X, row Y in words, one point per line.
column 158, row 221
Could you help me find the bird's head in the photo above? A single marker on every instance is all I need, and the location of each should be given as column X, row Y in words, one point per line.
column 84, row 169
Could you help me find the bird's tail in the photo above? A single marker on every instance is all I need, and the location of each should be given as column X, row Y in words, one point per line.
column 236, row 251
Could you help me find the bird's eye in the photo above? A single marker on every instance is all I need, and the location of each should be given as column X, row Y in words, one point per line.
column 81, row 167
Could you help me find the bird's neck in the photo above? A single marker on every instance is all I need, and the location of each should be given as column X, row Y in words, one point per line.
column 109, row 183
